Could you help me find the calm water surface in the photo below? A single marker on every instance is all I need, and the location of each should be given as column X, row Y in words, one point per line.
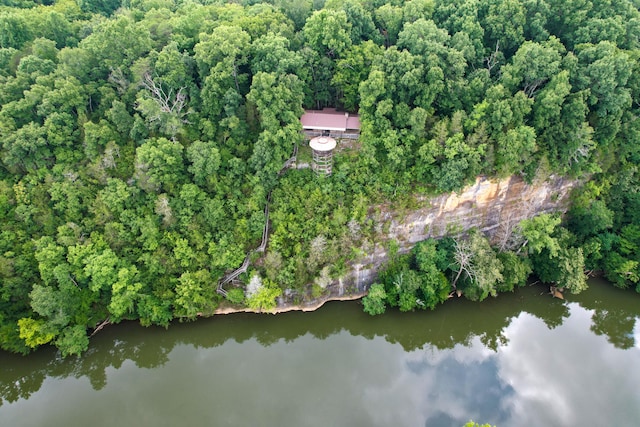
column 522, row 359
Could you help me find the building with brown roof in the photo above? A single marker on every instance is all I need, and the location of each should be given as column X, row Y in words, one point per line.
column 330, row 122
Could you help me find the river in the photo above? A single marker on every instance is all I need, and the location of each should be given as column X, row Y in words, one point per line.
column 522, row 359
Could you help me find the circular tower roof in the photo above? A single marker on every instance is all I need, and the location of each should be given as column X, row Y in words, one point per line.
column 322, row 143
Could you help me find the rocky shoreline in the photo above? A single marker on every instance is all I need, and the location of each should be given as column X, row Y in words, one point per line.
column 286, row 307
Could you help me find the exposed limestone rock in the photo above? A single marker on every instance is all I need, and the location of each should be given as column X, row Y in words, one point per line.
column 493, row 206
column 487, row 205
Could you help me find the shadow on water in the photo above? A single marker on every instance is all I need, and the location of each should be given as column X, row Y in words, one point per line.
column 458, row 321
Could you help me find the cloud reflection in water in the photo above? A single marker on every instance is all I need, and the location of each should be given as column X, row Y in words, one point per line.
column 565, row 376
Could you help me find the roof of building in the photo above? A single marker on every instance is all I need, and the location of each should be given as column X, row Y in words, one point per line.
column 329, row 119
column 353, row 122
column 322, row 143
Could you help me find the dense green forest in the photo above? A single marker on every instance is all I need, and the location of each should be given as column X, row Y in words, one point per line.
column 139, row 140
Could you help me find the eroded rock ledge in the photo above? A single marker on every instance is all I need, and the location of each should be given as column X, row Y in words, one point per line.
column 285, row 307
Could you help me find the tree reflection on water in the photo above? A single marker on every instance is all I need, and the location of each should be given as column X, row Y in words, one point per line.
column 456, row 323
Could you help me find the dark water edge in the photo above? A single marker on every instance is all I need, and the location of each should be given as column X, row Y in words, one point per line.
column 522, row 358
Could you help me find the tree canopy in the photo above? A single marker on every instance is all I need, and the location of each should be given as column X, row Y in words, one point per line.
column 141, row 140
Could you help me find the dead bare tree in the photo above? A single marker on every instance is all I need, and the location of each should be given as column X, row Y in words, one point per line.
column 163, row 208
column 579, row 154
column 118, row 79
column 464, row 259
column 111, row 152
column 493, row 59
column 169, row 102
column 102, row 324
column 507, row 236
column 530, row 88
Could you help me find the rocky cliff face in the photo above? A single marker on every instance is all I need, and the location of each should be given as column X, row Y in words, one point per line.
column 493, row 206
